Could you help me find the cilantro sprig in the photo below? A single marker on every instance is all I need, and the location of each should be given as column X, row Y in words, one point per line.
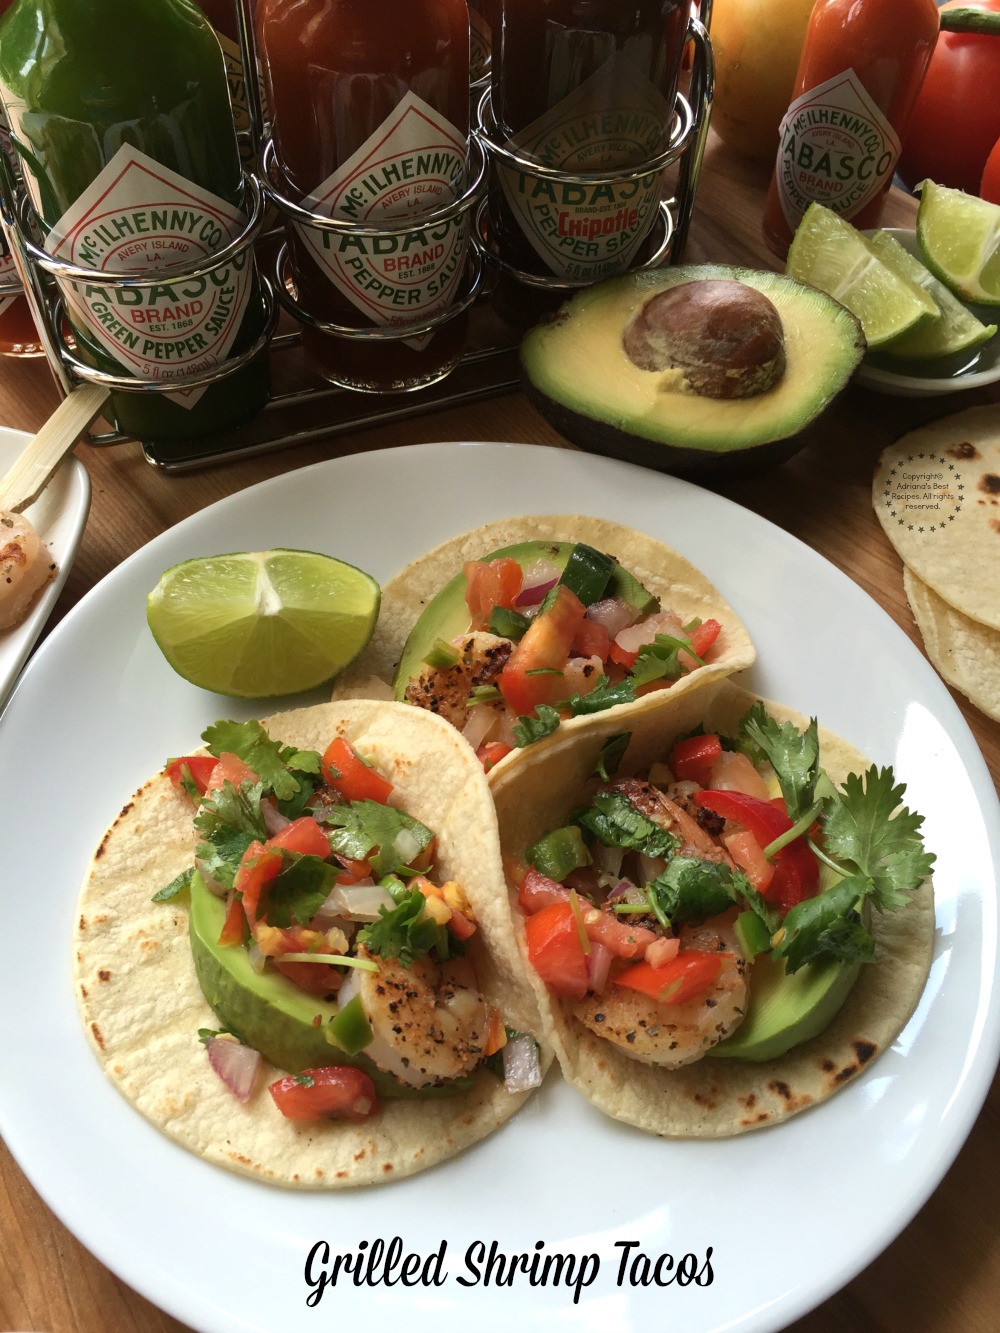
column 289, row 773
column 369, row 831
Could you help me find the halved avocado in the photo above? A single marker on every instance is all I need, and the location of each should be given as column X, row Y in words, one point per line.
column 616, row 369
column 446, row 616
column 268, row 1012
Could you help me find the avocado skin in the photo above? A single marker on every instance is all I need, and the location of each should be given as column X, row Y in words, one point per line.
column 269, row 1012
column 576, row 372
column 598, row 437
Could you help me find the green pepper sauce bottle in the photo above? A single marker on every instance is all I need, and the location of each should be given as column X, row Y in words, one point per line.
column 120, row 115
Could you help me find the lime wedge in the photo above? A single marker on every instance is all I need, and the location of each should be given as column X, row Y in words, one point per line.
column 828, row 253
column 958, row 330
column 959, row 236
column 262, row 623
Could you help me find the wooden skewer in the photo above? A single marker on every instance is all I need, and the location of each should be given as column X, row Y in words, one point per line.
column 29, row 472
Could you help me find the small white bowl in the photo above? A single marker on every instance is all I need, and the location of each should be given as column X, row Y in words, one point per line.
column 971, row 370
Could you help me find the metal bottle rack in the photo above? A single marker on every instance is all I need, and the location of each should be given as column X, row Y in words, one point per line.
column 304, row 407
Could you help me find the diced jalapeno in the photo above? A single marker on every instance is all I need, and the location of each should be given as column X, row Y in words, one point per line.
column 559, row 853
column 587, row 573
column 349, row 1029
column 507, row 624
column 752, row 934
column 442, row 654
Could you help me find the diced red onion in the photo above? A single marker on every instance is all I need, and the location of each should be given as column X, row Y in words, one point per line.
column 598, row 963
column 357, row 902
column 237, row 1065
column 614, row 613
column 213, row 885
column 481, row 721
column 650, row 867
column 521, row 1068
column 608, row 860
column 274, row 820
column 539, row 577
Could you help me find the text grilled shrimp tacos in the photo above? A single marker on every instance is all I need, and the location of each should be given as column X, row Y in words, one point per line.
column 436, row 982
column 533, row 626
column 680, row 997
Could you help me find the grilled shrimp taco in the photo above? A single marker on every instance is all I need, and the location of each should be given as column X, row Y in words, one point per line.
column 293, row 950
column 535, row 624
column 725, row 910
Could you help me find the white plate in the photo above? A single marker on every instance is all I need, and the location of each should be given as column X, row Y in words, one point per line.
column 58, row 516
column 931, row 379
column 790, row 1214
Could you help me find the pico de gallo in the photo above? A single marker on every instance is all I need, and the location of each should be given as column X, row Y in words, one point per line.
column 328, row 883
column 645, row 911
column 545, row 644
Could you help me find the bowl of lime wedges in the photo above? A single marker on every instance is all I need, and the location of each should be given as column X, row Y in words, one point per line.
column 928, row 299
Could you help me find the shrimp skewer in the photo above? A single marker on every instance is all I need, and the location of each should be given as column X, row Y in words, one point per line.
column 25, row 568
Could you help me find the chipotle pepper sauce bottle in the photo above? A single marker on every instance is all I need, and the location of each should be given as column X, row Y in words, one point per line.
column 369, row 106
column 582, row 86
column 858, row 78
column 120, row 116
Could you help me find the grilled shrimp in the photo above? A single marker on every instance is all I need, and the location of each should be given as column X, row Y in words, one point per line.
column 25, row 568
column 446, row 690
column 429, row 1021
column 671, row 1035
column 657, row 806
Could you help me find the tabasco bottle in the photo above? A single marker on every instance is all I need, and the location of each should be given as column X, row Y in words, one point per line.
column 369, row 106
column 120, row 116
column 861, row 69
column 582, row 86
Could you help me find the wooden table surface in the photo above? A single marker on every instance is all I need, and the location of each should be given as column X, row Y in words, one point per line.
column 942, row 1275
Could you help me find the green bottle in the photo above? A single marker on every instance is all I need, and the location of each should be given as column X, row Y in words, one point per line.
column 120, row 115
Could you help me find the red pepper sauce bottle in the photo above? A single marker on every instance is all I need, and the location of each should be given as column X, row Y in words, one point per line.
column 120, row 116
column 858, row 78
column 582, row 86
column 369, row 106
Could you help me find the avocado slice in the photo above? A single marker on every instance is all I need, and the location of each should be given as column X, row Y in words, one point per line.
column 596, row 370
column 270, row 1013
column 446, row 616
column 787, row 1010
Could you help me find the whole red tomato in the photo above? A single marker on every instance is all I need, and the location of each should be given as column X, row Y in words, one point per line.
column 989, row 188
column 956, row 120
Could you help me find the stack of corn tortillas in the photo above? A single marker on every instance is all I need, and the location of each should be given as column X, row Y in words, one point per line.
column 937, row 495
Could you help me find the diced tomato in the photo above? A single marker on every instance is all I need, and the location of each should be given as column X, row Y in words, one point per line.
column 693, row 758
column 460, row 925
column 591, row 640
column 704, row 635
column 796, row 869
column 543, row 649
column 232, row 927
column 538, row 891
column 332, row 1092
column 490, row 583
column 622, row 656
column 313, row 978
column 230, row 768
column 622, row 938
column 344, row 769
column 198, row 766
column 748, row 854
column 680, row 980
column 259, row 866
column 490, row 753
column 496, row 1038
column 555, row 951
column 303, row 836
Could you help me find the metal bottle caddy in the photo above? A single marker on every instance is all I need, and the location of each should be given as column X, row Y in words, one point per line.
column 304, row 407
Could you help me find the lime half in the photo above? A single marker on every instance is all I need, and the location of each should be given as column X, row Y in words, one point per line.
column 262, row 623
column 959, row 236
column 828, row 253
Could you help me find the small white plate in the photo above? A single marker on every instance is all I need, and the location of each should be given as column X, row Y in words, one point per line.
column 930, row 379
column 59, row 516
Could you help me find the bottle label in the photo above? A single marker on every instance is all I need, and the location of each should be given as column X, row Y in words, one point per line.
column 413, row 163
column 140, row 217
column 615, row 119
column 836, row 148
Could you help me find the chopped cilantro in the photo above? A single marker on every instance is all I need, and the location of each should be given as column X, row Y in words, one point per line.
column 405, row 932
column 229, row 820
column 616, row 822
column 278, row 766
column 660, row 660
column 368, row 830
column 299, row 890
column 602, row 696
column 827, row 926
column 175, row 886
column 690, row 889
column 527, row 730
column 793, row 754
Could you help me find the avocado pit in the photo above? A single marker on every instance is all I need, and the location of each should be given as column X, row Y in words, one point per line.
column 725, row 337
